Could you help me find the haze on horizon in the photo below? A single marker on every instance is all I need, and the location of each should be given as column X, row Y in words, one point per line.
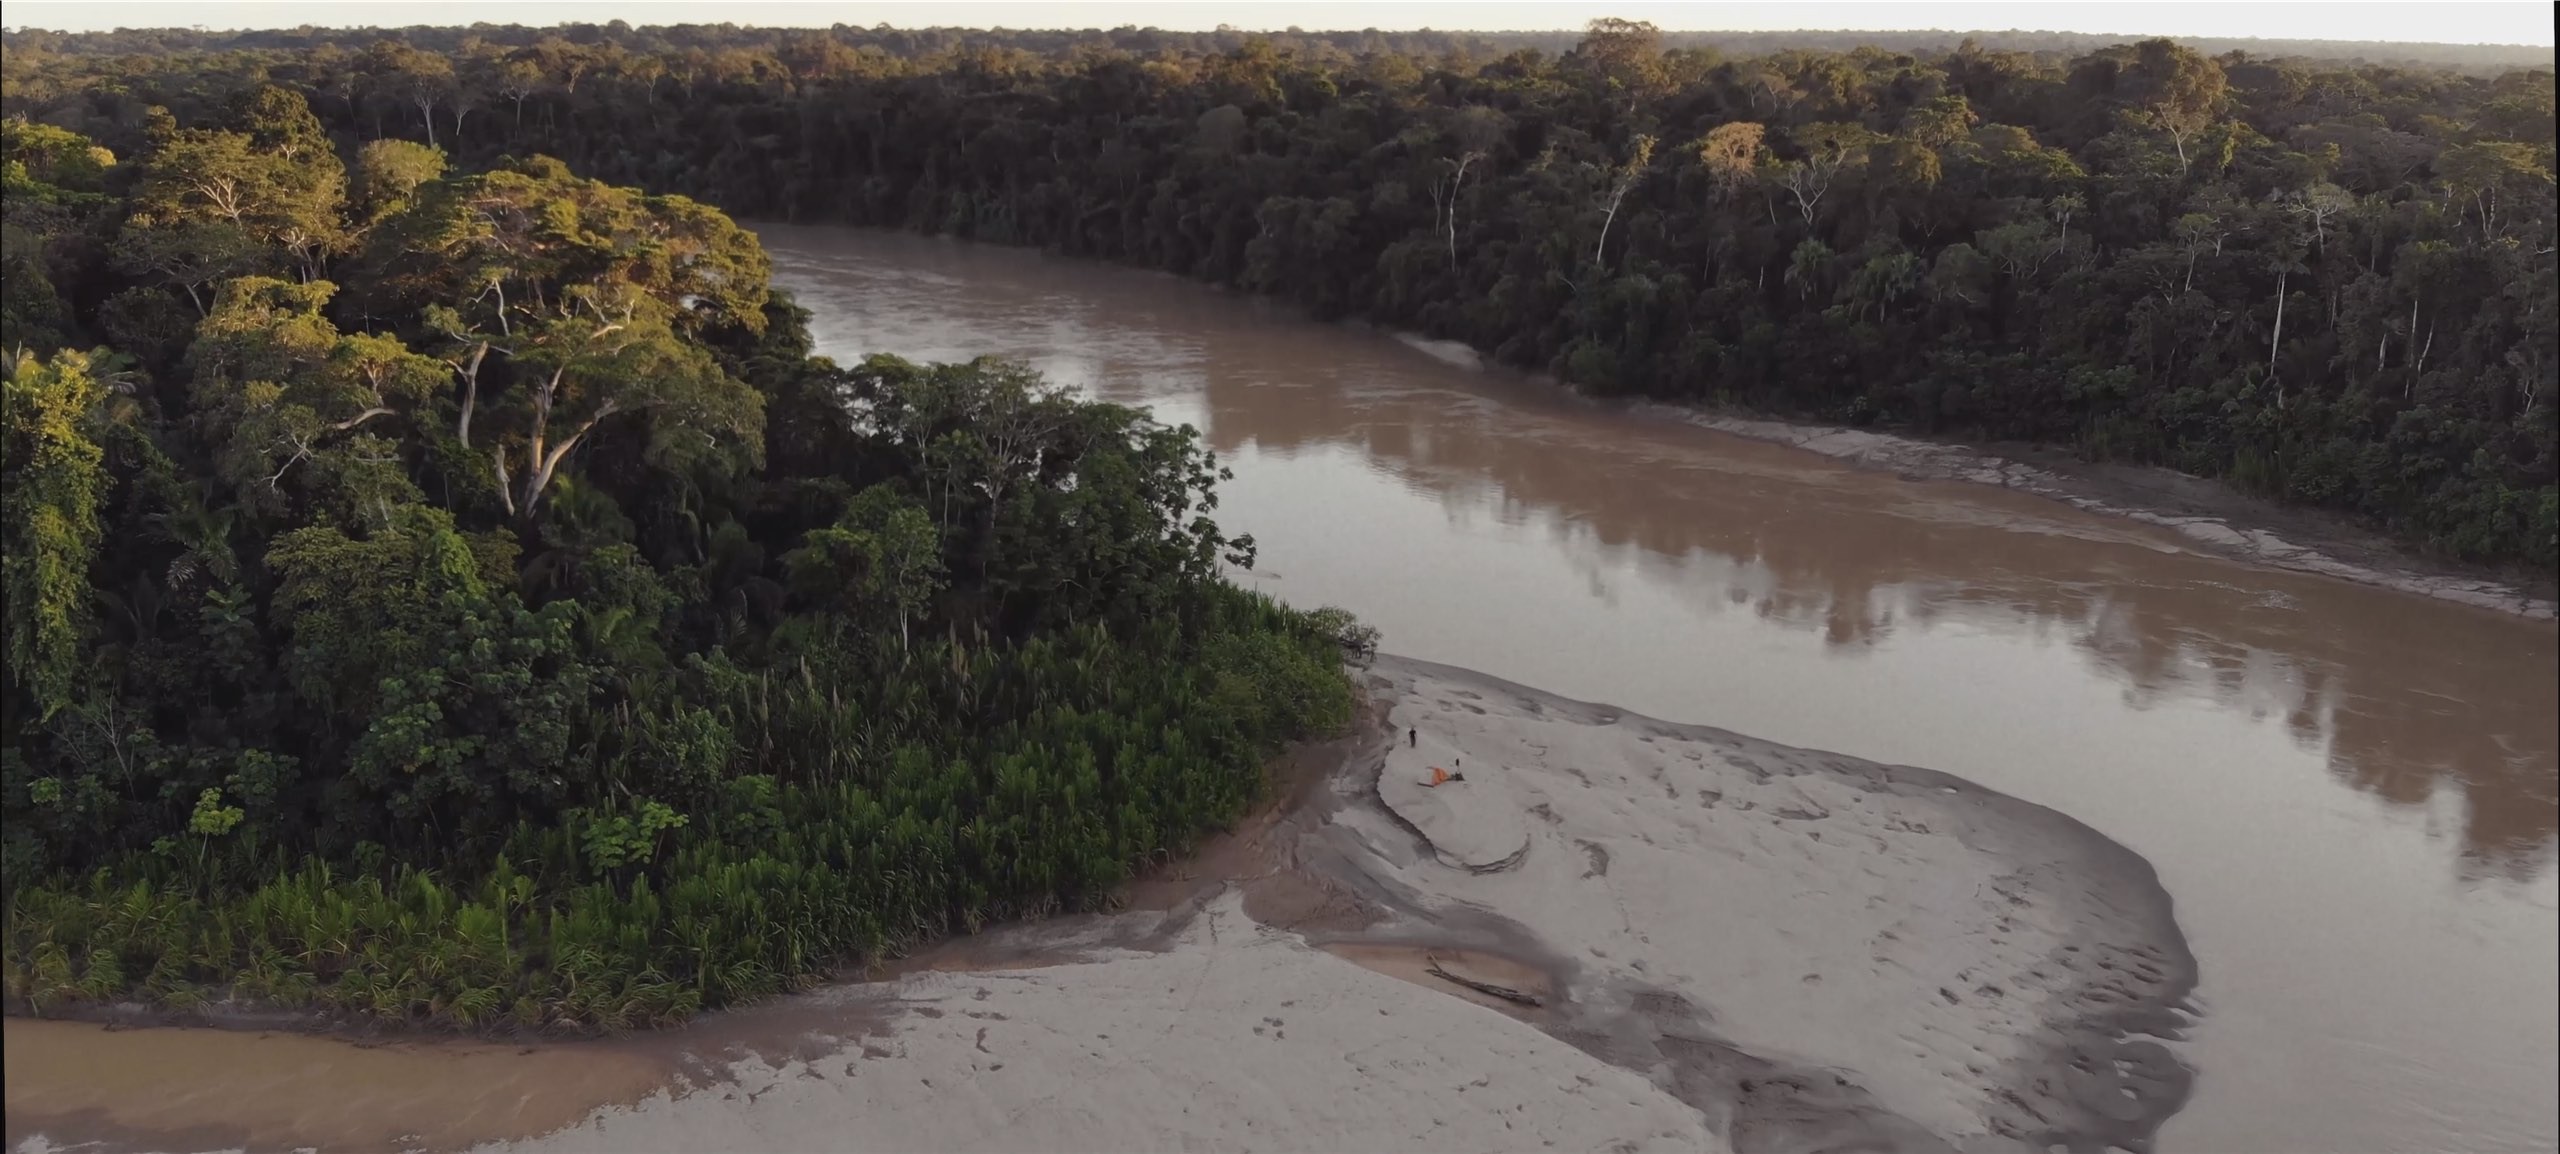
column 2502, row 23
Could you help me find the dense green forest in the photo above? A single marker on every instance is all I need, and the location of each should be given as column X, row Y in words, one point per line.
column 2486, row 59
column 442, row 583
column 2327, row 281
column 457, row 594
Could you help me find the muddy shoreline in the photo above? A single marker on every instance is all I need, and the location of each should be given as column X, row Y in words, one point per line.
column 100, row 1061
column 1335, row 868
column 2211, row 517
column 1329, row 873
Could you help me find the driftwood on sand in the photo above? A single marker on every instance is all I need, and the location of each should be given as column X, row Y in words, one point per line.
column 1488, row 989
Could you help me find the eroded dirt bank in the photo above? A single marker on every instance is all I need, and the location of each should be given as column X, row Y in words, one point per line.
column 1702, row 942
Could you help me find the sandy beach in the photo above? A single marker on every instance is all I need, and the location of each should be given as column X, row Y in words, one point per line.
column 1237, row 1037
column 1974, row 964
column 1614, row 934
column 1734, row 945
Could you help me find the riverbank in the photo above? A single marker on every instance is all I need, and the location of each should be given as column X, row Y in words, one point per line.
column 1710, row 942
column 1952, row 961
column 2210, row 516
column 2377, row 766
column 1801, row 949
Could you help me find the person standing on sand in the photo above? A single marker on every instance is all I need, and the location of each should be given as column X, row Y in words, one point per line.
column 1412, row 738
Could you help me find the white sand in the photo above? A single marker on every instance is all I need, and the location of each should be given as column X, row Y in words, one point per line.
column 1239, row 1038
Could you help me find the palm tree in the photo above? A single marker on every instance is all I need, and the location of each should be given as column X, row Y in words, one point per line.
column 203, row 537
column 1809, row 266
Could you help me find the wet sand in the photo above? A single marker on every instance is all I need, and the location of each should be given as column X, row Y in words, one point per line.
column 1980, row 967
column 1787, row 950
column 2349, row 790
column 1732, row 944
column 1236, row 1037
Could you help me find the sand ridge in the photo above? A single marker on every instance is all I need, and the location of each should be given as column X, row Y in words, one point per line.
column 1732, row 944
column 1239, row 1037
column 1983, row 967
column 1719, row 943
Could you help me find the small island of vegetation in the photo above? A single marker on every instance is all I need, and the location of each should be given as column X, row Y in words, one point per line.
column 462, row 598
column 443, row 585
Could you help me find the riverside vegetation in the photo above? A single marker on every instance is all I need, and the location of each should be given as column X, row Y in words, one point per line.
column 461, row 598
column 2326, row 280
column 442, row 585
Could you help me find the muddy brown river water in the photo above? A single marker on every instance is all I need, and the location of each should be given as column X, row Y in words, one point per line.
column 2350, row 793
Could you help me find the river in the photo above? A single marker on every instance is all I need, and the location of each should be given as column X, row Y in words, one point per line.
column 2349, row 792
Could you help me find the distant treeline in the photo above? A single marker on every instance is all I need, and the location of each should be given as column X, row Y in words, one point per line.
column 2329, row 282
column 2486, row 58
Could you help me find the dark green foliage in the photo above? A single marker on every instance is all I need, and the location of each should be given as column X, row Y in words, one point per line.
column 2326, row 280
column 420, row 627
column 456, row 591
column 876, row 821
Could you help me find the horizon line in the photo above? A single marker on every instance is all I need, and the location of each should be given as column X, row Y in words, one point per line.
column 1266, row 31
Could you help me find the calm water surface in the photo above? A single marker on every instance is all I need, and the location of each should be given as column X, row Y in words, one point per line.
column 2351, row 793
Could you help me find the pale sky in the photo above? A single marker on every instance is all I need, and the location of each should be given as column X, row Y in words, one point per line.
column 2444, row 23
